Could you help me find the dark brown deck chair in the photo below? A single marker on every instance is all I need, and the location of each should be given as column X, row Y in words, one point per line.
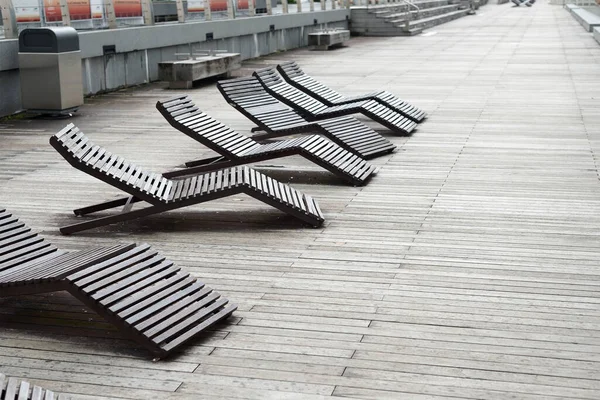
column 314, row 110
column 291, row 72
column 132, row 286
column 163, row 193
column 236, row 149
column 272, row 116
column 17, row 389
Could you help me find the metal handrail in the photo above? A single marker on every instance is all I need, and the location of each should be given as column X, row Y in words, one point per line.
column 410, row 3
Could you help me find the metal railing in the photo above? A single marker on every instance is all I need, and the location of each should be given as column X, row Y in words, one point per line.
column 582, row 3
column 410, row 16
column 110, row 14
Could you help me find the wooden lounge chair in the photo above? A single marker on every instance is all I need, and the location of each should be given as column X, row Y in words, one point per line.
column 132, row 286
column 519, row 3
column 291, row 72
column 16, row 389
column 272, row 116
column 313, row 109
column 236, row 149
column 163, row 193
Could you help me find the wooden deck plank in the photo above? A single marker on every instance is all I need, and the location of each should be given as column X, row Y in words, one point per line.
column 467, row 268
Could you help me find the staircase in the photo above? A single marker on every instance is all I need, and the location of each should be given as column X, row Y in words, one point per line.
column 402, row 19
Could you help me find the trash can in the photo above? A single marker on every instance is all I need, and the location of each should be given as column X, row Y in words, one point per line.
column 50, row 70
column 261, row 6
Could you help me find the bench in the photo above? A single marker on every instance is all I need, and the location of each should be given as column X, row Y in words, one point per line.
column 325, row 39
column 181, row 74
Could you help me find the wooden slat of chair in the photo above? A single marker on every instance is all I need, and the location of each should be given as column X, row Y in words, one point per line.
column 17, row 389
column 246, row 150
column 314, row 109
column 294, row 75
column 161, row 193
column 150, row 298
column 122, row 283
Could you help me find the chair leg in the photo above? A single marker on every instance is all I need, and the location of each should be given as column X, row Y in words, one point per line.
column 106, row 205
column 205, row 161
column 266, row 136
column 203, row 168
column 393, row 127
column 113, row 219
column 312, row 220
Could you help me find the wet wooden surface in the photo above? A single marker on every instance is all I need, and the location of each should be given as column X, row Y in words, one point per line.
column 468, row 267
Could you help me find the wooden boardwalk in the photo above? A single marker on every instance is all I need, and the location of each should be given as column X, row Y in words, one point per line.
column 467, row 268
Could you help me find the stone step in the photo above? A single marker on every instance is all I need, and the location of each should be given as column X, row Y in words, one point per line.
column 364, row 22
column 425, row 23
column 386, row 9
column 424, row 5
column 426, row 13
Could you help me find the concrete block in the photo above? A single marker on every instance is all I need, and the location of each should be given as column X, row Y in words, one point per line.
column 326, row 39
column 587, row 19
column 181, row 74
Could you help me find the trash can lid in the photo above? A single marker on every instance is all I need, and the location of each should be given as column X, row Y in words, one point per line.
column 59, row 39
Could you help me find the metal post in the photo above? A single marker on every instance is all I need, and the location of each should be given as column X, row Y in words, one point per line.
column 251, row 8
column 9, row 20
column 64, row 12
column 284, row 6
column 323, row 5
column 207, row 13
column 230, row 9
column 110, row 14
column 180, row 11
column 269, row 8
column 312, row 5
column 333, row 4
column 147, row 12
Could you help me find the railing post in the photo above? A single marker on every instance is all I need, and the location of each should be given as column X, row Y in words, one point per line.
column 64, row 12
column 348, row 3
column 147, row 13
column 323, row 5
column 180, row 11
column 251, row 8
column 207, row 12
column 9, row 21
column 110, row 14
column 299, row 6
column 333, row 4
column 284, row 6
column 230, row 10
column 269, row 8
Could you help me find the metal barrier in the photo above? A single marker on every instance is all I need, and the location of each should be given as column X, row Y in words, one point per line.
column 110, row 14
column 582, row 3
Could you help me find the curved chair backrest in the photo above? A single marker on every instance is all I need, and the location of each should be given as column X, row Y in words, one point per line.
column 290, row 69
column 19, row 244
column 84, row 155
column 246, row 92
column 292, row 73
column 184, row 116
column 251, row 99
column 287, row 93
